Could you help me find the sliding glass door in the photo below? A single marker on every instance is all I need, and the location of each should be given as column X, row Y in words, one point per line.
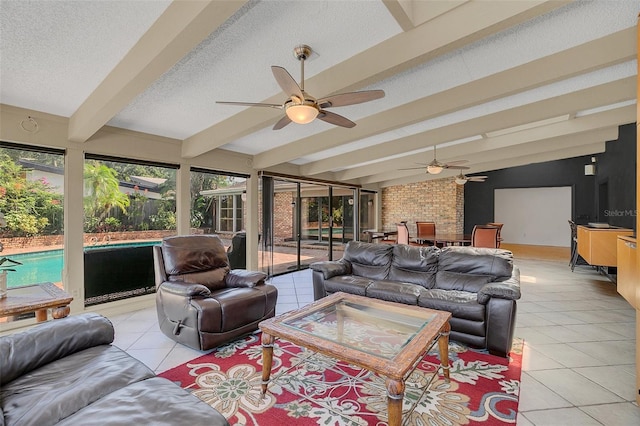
column 304, row 222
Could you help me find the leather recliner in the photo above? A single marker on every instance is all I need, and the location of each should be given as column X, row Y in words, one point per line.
column 201, row 302
column 237, row 251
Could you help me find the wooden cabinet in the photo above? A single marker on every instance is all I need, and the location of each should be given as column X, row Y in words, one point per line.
column 598, row 246
column 628, row 282
column 629, row 288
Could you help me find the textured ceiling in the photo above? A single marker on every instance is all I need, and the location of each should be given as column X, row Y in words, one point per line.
column 496, row 83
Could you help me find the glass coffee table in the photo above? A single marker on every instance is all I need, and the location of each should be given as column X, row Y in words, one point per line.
column 386, row 338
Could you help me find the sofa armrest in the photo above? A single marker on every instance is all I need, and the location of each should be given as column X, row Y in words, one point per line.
column 243, row 278
column 26, row 351
column 331, row 268
column 508, row 289
column 185, row 289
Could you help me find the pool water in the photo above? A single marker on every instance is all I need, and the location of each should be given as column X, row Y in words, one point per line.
column 46, row 266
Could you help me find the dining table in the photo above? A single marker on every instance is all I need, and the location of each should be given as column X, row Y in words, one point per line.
column 445, row 239
column 373, row 234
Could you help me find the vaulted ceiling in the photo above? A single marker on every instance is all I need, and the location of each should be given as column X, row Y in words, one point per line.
column 497, row 83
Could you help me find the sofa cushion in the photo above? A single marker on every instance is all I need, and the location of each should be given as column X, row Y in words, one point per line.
column 348, row 283
column 447, row 280
column 395, row 291
column 369, row 260
column 461, row 304
column 158, row 402
column 62, row 387
column 415, row 265
column 496, row 263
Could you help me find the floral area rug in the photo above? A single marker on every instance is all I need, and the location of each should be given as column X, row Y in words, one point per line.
column 322, row 391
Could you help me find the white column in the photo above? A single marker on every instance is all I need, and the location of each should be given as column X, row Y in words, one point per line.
column 252, row 220
column 183, row 199
column 73, row 270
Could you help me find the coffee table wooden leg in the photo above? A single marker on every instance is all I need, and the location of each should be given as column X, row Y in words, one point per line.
column 443, row 346
column 41, row 315
column 267, row 360
column 395, row 395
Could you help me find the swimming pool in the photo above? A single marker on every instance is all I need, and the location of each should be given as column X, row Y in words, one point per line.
column 45, row 266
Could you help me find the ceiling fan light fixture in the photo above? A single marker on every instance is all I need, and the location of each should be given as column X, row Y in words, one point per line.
column 302, row 114
column 434, row 169
column 460, row 180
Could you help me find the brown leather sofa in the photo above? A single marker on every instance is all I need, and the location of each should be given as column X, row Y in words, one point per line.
column 201, row 302
column 66, row 372
column 479, row 286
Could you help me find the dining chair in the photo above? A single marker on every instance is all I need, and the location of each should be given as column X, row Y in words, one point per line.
column 499, row 226
column 403, row 235
column 485, row 236
column 425, row 229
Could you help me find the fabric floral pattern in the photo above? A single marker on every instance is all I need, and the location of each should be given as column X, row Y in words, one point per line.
column 311, row 389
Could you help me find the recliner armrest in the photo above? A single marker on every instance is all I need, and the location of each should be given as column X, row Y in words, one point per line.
column 508, row 289
column 243, row 278
column 331, row 268
column 185, row 289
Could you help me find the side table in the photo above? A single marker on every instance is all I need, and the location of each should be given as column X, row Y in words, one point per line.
column 36, row 298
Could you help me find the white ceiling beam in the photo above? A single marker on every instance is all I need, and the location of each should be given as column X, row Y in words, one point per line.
column 550, row 145
column 425, row 11
column 590, row 123
column 610, row 93
column 514, row 152
column 182, row 26
column 401, row 12
column 607, row 51
column 561, row 154
column 411, row 13
column 406, row 50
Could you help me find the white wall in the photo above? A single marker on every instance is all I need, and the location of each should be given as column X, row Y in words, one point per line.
column 535, row 216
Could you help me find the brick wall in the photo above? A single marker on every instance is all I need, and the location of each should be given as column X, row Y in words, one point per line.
column 282, row 216
column 440, row 201
column 17, row 244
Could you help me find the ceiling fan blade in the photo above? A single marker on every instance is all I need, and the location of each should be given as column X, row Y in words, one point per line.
column 282, row 122
column 336, row 119
column 455, row 163
column 250, row 104
column 351, row 98
column 286, row 82
column 449, row 166
column 414, row 168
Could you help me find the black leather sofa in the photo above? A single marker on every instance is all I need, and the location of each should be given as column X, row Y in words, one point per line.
column 478, row 286
column 66, row 372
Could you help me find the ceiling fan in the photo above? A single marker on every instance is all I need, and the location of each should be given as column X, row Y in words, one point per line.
column 435, row 166
column 461, row 179
column 302, row 108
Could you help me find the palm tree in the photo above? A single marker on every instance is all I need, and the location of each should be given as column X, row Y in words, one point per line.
column 102, row 191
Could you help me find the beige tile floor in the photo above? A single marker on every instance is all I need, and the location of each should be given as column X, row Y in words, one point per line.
column 579, row 355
